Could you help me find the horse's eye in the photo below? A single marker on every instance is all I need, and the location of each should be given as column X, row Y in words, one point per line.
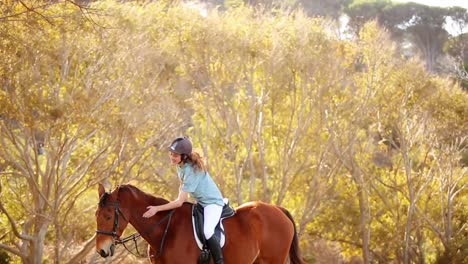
column 108, row 217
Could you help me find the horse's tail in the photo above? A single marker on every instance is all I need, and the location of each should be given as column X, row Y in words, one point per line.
column 294, row 251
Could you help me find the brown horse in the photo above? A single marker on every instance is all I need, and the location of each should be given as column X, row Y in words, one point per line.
column 257, row 233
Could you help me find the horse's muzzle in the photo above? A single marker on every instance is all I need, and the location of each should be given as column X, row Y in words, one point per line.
column 104, row 254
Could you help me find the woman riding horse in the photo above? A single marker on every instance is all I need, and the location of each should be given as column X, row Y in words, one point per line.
column 258, row 233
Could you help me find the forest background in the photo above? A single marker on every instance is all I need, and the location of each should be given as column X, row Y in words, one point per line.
column 360, row 131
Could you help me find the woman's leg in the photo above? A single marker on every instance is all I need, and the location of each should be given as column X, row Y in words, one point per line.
column 212, row 213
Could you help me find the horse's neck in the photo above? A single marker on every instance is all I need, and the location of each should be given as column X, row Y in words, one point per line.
column 138, row 208
column 146, row 226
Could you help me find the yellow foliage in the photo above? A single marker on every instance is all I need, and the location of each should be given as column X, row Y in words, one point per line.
column 285, row 113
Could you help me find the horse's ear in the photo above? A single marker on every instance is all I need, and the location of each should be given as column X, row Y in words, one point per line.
column 101, row 190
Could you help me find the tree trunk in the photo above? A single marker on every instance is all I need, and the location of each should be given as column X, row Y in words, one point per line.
column 364, row 216
column 37, row 247
column 253, row 177
column 240, row 199
column 411, row 208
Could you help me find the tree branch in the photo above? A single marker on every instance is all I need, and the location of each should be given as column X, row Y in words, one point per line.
column 12, row 221
column 33, row 10
column 432, row 226
column 28, row 9
column 13, row 225
column 12, row 250
column 83, row 252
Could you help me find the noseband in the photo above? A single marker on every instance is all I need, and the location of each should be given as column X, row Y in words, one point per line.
column 117, row 212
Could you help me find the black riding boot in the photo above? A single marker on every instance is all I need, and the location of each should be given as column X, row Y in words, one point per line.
column 215, row 248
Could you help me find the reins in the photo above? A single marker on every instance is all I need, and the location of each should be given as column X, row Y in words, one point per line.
column 137, row 235
column 125, row 240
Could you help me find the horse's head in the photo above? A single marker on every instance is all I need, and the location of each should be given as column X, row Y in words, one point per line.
column 111, row 222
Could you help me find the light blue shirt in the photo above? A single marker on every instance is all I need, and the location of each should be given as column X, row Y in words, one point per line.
column 200, row 185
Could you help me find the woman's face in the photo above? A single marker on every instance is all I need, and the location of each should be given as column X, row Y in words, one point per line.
column 175, row 158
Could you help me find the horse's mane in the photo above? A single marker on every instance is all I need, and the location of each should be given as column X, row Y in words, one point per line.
column 139, row 193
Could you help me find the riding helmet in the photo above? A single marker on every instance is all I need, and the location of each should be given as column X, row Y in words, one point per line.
column 181, row 145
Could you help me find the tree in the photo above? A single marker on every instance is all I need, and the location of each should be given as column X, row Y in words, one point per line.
column 331, row 9
column 74, row 113
column 426, row 32
column 255, row 109
column 424, row 27
column 456, row 61
column 362, row 11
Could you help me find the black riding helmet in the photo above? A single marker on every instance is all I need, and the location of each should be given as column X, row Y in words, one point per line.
column 181, row 145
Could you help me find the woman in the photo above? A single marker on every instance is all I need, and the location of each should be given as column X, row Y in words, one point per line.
column 195, row 181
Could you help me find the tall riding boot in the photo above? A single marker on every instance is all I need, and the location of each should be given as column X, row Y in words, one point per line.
column 215, row 248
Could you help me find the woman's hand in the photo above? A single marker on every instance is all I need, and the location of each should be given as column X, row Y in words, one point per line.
column 152, row 210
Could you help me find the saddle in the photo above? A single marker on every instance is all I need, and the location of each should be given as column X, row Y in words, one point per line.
column 197, row 222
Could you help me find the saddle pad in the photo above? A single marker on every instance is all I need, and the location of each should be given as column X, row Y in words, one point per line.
column 219, row 230
column 222, row 238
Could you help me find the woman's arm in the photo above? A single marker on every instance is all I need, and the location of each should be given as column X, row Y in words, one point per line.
column 153, row 209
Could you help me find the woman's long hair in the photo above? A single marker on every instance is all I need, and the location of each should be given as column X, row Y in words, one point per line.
column 196, row 160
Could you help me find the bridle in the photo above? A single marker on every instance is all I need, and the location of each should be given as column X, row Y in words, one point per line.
column 117, row 212
column 133, row 237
